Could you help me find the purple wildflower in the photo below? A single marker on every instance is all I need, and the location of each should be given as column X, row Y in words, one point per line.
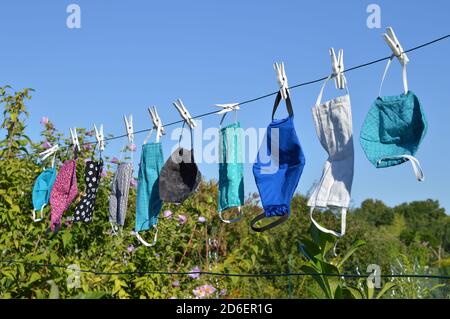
column 195, row 272
column 167, row 214
column 182, row 219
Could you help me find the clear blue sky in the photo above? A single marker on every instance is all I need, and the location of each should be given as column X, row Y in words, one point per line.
column 132, row 54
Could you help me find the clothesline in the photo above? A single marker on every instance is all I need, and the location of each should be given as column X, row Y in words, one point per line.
column 221, row 274
column 260, row 97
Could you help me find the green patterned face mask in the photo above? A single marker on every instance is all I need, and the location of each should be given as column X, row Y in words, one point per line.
column 231, row 170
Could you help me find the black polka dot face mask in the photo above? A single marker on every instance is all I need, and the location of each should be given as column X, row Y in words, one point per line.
column 85, row 208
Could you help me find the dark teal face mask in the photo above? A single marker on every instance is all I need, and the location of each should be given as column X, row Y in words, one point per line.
column 231, row 171
column 41, row 191
column 393, row 130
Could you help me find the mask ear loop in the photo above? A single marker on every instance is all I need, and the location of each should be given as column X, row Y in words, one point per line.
column 145, row 243
column 404, row 74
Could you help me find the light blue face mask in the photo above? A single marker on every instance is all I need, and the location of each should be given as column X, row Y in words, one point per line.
column 41, row 191
column 148, row 202
column 231, row 171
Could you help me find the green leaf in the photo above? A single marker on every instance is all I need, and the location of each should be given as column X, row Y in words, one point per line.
column 351, row 251
column 90, row 295
column 388, row 286
column 355, row 292
column 34, row 276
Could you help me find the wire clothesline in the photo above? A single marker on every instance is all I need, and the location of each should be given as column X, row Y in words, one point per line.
column 222, row 274
column 261, row 97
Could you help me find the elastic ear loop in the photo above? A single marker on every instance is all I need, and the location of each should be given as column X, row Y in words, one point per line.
column 328, row 231
column 146, row 244
column 279, row 221
column 405, row 77
column 414, row 162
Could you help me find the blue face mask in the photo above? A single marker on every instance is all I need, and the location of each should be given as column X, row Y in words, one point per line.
column 277, row 176
column 394, row 128
column 41, row 191
column 148, row 202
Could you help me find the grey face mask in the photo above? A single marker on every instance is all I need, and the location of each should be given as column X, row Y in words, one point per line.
column 179, row 176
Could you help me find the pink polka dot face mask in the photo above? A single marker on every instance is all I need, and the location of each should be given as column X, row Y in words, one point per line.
column 64, row 192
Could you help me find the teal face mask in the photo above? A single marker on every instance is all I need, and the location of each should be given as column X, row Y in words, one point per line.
column 148, row 202
column 41, row 191
column 394, row 128
column 231, row 171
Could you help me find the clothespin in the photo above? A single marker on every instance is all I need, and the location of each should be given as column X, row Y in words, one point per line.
column 282, row 79
column 129, row 127
column 338, row 68
column 157, row 123
column 227, row 108
column 395, row 46
column 100, row 138
column 49, row 152
column 74, row 135
column 184, row 113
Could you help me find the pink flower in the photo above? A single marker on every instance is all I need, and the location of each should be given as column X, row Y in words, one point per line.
column 195, row 273
column 202, row 219
column 167, row 214
column 44, row 120
column 176, row 283
column 223, row 292
column 87, row 147
column 133, row 147
column 46, row 145
column 182, row 219
column 115, row 160
column 130, row 248
column 204, row 291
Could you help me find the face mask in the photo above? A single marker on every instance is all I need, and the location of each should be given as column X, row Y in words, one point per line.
column 41, row 191
column 393, row 129
column 277, row 177
column 179, row 177
column 333, row 122
column 118, row 198
column 231, row 171
column 63, row 193
column 85, row 208
column 148, row 203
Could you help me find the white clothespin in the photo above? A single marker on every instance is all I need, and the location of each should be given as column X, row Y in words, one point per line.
column 184, row 113
column 395, row 46
column 157, row 123
column 49, row 152
column 282, row 79
column 74, row 135
column 227, row 108
column 100, row 138
column 129, row 127
column 338, row 68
